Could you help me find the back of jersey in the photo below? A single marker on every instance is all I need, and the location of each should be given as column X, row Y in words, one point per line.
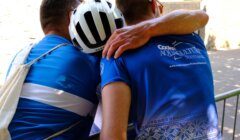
column 172, row 88
column 59, row 93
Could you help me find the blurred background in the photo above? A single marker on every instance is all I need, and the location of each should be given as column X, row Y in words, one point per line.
column 19, row 26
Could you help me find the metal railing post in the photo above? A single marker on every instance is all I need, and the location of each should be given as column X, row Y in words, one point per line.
column 223, row 97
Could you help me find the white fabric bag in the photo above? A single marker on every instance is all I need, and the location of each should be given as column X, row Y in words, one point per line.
column 19, row 59
column 11, row 90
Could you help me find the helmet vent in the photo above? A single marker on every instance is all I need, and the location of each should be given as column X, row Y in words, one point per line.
column 119, row 23
column 90, row 22
column 74, row 11
column 109, row 4
column 93, row 24
column 82, row 34
column 75, row 42
column 106, row 25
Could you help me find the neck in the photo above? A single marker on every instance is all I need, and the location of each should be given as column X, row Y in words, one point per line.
column 57, row 32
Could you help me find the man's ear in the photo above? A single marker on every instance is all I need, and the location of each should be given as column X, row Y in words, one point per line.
column 161, row 7
column 153, row 5
column 157, row 12
column 157, row 8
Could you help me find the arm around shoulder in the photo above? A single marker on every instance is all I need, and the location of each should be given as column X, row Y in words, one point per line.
column 202, row 16
column 178, row 22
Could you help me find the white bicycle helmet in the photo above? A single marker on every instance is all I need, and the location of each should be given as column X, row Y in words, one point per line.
column 92, row 23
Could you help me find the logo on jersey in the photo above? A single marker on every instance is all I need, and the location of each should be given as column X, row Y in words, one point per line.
column 174, row 51
column 182, row 50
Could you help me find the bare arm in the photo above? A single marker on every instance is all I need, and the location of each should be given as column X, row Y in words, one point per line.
column 178, row 22
column 135, row 36
column 116, row 99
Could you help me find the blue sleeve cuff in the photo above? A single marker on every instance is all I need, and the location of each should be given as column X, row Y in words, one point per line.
column 115, row 79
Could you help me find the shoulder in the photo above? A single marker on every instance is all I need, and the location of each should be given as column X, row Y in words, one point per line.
column 113, row 66
column 80, row 64
column 119, row 61
column 68, row 49
column 113, row 70
column 67, row 59
column 72, row 56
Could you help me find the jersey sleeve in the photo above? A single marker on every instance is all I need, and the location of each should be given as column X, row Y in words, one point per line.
column 113, row 70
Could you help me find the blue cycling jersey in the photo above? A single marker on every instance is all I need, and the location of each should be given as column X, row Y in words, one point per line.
column 172, row 88
column 59, row 93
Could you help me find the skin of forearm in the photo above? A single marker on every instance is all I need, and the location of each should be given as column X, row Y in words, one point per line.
column 116, row 100
column 111, row 136
column 177, row 22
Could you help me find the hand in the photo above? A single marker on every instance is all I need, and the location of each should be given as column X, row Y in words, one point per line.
column 126, row 38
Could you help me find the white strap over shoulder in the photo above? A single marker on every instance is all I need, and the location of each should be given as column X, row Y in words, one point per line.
column 46, row 53
column 20, row 59
column 11, row 90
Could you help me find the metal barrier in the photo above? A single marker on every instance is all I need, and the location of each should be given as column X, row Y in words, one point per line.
column 223, row 97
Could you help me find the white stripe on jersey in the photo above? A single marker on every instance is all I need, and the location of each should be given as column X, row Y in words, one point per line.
column 57, row 98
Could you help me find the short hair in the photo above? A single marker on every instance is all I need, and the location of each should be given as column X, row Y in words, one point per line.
column 133, row 9
column 55, row 12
